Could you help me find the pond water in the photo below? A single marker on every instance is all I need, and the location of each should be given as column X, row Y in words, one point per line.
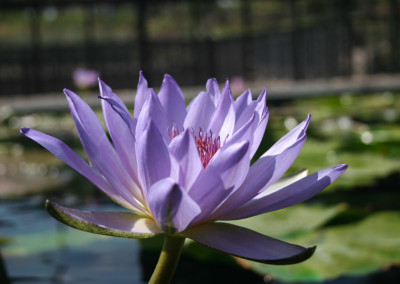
column 42, row 250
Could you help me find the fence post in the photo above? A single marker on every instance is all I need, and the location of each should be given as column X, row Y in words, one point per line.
column 34, row 63
column 248, row 60
column 144, row 52
column 88, row 34
column 345, row 25
column 296, row 38
column 395, row 35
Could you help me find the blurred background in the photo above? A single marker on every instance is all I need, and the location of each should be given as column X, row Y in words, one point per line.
column 338, row 60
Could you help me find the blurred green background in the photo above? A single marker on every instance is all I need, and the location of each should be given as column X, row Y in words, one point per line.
column 338, row 60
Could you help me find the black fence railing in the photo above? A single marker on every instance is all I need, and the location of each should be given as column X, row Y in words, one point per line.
column 351, row 42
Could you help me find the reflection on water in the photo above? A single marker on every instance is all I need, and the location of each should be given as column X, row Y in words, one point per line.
column 42, row 250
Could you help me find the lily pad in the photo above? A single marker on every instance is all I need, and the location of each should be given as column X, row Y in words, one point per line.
column 292, row 221
column 353, row 249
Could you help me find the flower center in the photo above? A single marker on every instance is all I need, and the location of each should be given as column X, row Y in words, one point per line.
column 206, row 145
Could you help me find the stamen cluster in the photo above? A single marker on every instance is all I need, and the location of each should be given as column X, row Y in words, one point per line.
column 206, row 145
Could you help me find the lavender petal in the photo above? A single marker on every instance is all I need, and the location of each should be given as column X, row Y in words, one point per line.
column 245, row 243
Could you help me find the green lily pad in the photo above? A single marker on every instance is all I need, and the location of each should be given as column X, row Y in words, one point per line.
column 292, row 221
column 353, row 249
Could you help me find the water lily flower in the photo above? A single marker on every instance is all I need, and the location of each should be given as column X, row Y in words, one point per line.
column 183, row 170
column 85, row 78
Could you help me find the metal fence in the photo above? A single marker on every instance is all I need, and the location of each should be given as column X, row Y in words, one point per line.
column 342, row 38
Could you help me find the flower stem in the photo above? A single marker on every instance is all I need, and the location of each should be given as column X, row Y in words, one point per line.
column 168, row 260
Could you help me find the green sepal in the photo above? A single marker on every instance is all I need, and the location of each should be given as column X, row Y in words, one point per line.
column 112, row 223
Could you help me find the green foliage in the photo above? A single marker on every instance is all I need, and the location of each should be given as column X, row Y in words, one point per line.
column 352, row 249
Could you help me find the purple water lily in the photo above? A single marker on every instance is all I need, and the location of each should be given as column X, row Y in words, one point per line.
column 85, row 78
column 184, row 170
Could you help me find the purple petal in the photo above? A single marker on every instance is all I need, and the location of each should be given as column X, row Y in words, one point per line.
column 242, row 102
column 100, row 151
column 171, row 98
column 245, row 243
column 171, row 206
column 117, row 224
column 200, row 111
column 142, row 93
column 184, row 150
column 213, row 90
column 223, row 120
column 292, row 194
column 153, row 157
column 120, row 125
column 245, row 133
column 259, row 133
column 258, row 106
column 268, row 169
column 226, row 170
column 274, row 163
column 64, row 153
column 153, row 110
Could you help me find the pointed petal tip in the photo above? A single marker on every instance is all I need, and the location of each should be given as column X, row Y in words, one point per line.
column 54, row 210
column 297, row 258
column 24, row 130
column 168, row 77
column 212, row 80
column 226, row 85
column 142, row 79
column 264, row 92
column 68, row 93
column 341, row 167
column 101, row 82
column 303, row 256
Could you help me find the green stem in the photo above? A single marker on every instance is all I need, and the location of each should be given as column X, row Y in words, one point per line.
column 168, row 260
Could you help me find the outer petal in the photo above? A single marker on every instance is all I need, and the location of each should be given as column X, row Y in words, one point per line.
column 200, row 111
column 172, row 100
column 275, row 162
column 154, row 160
column 171, row 206
column 184, row 150
column 121, row 126
column 117, row 224
column 283, row 182
column 248, row 244
column 292, row 194
column 141, row 94
column 64, row 153
column 99, row 149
